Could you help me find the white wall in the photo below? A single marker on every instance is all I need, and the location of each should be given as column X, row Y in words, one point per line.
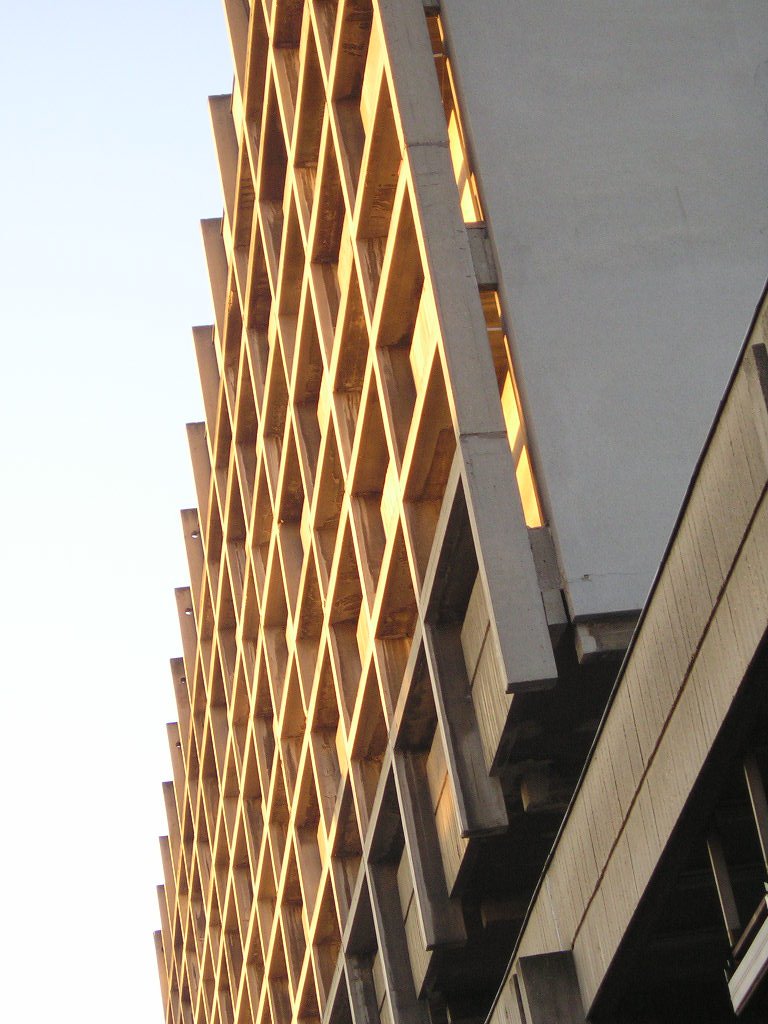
column 622, row 154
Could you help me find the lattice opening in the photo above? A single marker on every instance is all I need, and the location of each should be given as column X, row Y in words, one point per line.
column 328, row 506
column 345, row 856
column 276, row 407
column 292, row 734
column 291, row 285
column 351, row 362
column 325, row 726
column 328, row 219
column 372, row 462
column 306, row 394
column 307, row 819
column 246, row 434
column 291, row 912
column 325, row 948
column 310, row 622
column 325, row 19
column 354, row 38
column 309, row 127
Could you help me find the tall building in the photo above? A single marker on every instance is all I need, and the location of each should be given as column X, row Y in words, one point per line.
column 481, row 275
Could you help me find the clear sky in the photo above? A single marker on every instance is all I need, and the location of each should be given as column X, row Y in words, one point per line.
column 106, row 166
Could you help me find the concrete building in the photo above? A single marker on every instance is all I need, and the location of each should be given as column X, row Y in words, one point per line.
column 482, row 273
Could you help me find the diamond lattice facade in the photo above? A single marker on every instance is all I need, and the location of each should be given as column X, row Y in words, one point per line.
column 396, row 649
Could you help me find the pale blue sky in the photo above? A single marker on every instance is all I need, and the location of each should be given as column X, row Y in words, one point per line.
column 106, row 166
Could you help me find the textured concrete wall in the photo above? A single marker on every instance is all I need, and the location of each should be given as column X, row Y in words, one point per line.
column 622, row 155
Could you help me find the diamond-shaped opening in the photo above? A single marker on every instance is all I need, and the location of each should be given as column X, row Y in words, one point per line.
column 287, row 66
column 292, row 733
column 209, row 985
column 240, row 856
column 217, row 697
column 241, row 713
column 263, row 728
column 254, row 830
column 256, row 336
column 382, row 169
column 431, row 452
column 230, row 789
column 275, row 618
column 309, row 629
column 262, row 534
column 457, row 568
column 218, row 721
column 214, row 540
column 287, row 22
column 402, row 296
column 307, row 820
column 274, row 163
column 289, row 515
column 222, row 435
column 397, row 619
column 225, row 835
column 258, row 297
column 341, row 1012
column 251, row 783
column 309, row 377
column 224, row 999
column 257, row 339
column 326, row 945
column 355, row 34
column 351, row 362
column 227, row 619
column 368, row 745
column 265, row 901
column 271, row 221
column 325, row 725
column 329, row 219
column 204, row 859
column 254, row 976
column 278, row 822
column 257, row 76
column 291, row 284
column 346, row 602
column 309, row 126
column 367, row 487
column 210, row 791
column 274, row 417
column 233, row 951
column 279, row 989
column 308, row 1011
column 246, row 201
column 419, row 718
column 345, row 856
column 328, row 506
column 235, row 551
column 400, row 361
column 325, row 19
column 246, row 431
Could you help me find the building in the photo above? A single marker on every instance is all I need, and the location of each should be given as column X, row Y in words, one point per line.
column 481, row 275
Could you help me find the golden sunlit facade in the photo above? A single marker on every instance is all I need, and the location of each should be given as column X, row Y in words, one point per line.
column 331, row 793
column 371, row 760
